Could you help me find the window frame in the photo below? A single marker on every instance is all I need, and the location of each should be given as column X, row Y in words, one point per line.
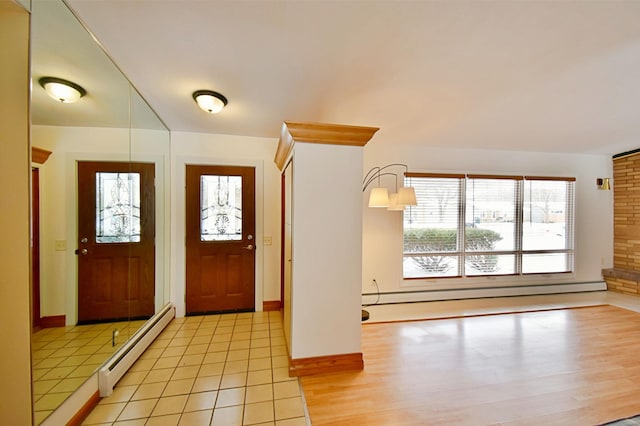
column 518, row 251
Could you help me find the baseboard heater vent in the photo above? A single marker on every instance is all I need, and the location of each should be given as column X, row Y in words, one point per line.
column 123, row 359
column 415, row 296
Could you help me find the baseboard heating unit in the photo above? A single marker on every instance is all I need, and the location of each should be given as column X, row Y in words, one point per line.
column 413, row 296
column 123, row 359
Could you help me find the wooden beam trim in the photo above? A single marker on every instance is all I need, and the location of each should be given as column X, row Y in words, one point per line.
column 435, row 175
column 39, row 155
column 270, row 305
column 53, row 321
column 567, row 179
column 85, row 410
column 325, row 364
column 506, row 177
column 321, row 133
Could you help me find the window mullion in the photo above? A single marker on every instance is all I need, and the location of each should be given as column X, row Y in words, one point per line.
column 519, row 226
column 461, row 227
column 569, row 234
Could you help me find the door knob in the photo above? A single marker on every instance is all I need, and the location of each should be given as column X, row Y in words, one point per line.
column 83, row 251
column 249, row 247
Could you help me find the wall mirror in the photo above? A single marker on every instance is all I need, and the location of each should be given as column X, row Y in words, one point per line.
column 101, row 238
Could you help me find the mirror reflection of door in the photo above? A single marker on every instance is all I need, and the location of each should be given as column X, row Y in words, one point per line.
column 35, row 248
column 116, row 233
column 220, row 239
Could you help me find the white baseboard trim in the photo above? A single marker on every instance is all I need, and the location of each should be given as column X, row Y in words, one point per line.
column 117, row 366
column 478, row 293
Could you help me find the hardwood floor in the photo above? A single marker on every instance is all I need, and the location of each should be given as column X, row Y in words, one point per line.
column 565, row 367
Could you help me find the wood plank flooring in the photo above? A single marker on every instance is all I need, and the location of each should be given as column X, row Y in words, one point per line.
column 565, row 367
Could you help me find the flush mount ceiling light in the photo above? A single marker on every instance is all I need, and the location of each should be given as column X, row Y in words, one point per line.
column 62, row 90
column 210, row 101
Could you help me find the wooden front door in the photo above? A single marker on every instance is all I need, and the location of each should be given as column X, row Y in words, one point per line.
column 220, row 239
column 116, row 241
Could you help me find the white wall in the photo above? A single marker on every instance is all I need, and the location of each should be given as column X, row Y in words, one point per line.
column 593, row 227
column 327, row 250
column 213, row 149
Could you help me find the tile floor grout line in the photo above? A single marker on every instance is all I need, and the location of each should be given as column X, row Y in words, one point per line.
column 266, row 327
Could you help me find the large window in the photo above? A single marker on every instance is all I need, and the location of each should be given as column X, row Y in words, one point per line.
column 479, row 225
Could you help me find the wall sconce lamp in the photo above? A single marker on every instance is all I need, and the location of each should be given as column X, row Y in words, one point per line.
column 210, row 101
column 603, row 183
column 62, row 90
column 380, row 197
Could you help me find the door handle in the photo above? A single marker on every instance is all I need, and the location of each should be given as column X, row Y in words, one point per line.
column 84, row 251
column 249, row 247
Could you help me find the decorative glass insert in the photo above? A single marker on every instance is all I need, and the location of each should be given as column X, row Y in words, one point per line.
column 117, row 207
column 221, row 208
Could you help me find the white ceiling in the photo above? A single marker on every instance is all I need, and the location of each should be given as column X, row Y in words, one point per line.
column 552, row 76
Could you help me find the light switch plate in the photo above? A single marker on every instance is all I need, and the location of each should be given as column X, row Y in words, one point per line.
column 267, row 241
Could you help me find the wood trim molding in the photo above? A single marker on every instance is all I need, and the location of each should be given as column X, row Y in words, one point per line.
column 39, row 155
column 53, row 321
column 322, row 133
column 325, row 364
column 435, row 175
column 270, row 305
column 506, row 177
column 86, row 409
column 568, row 179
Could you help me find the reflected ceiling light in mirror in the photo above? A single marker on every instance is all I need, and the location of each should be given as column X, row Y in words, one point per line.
column 210, row 101
column 62, row 90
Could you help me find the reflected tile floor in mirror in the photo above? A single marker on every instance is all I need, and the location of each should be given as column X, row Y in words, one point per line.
column 64, row 357
column 229, row 369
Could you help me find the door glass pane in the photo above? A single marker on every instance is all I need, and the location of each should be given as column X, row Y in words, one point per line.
column 117, row 207
column 221, row 208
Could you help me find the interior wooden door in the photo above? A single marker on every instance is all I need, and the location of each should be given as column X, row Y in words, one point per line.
column 220, row 239
column 116, row 241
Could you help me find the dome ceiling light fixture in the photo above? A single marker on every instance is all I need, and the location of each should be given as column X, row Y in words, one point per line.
column 210, row 101
column 61, row 90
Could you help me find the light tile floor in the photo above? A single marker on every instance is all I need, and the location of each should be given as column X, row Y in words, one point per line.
column 64, row 357
column 225, row 370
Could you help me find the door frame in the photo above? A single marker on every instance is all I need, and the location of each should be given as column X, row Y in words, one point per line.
column 178, row 235
column 36, row 315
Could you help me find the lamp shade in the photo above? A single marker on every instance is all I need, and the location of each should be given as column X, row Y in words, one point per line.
column 407, row 196
column 379, row 197
column 62, row 90
column 393, row 203
column 210, row 101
